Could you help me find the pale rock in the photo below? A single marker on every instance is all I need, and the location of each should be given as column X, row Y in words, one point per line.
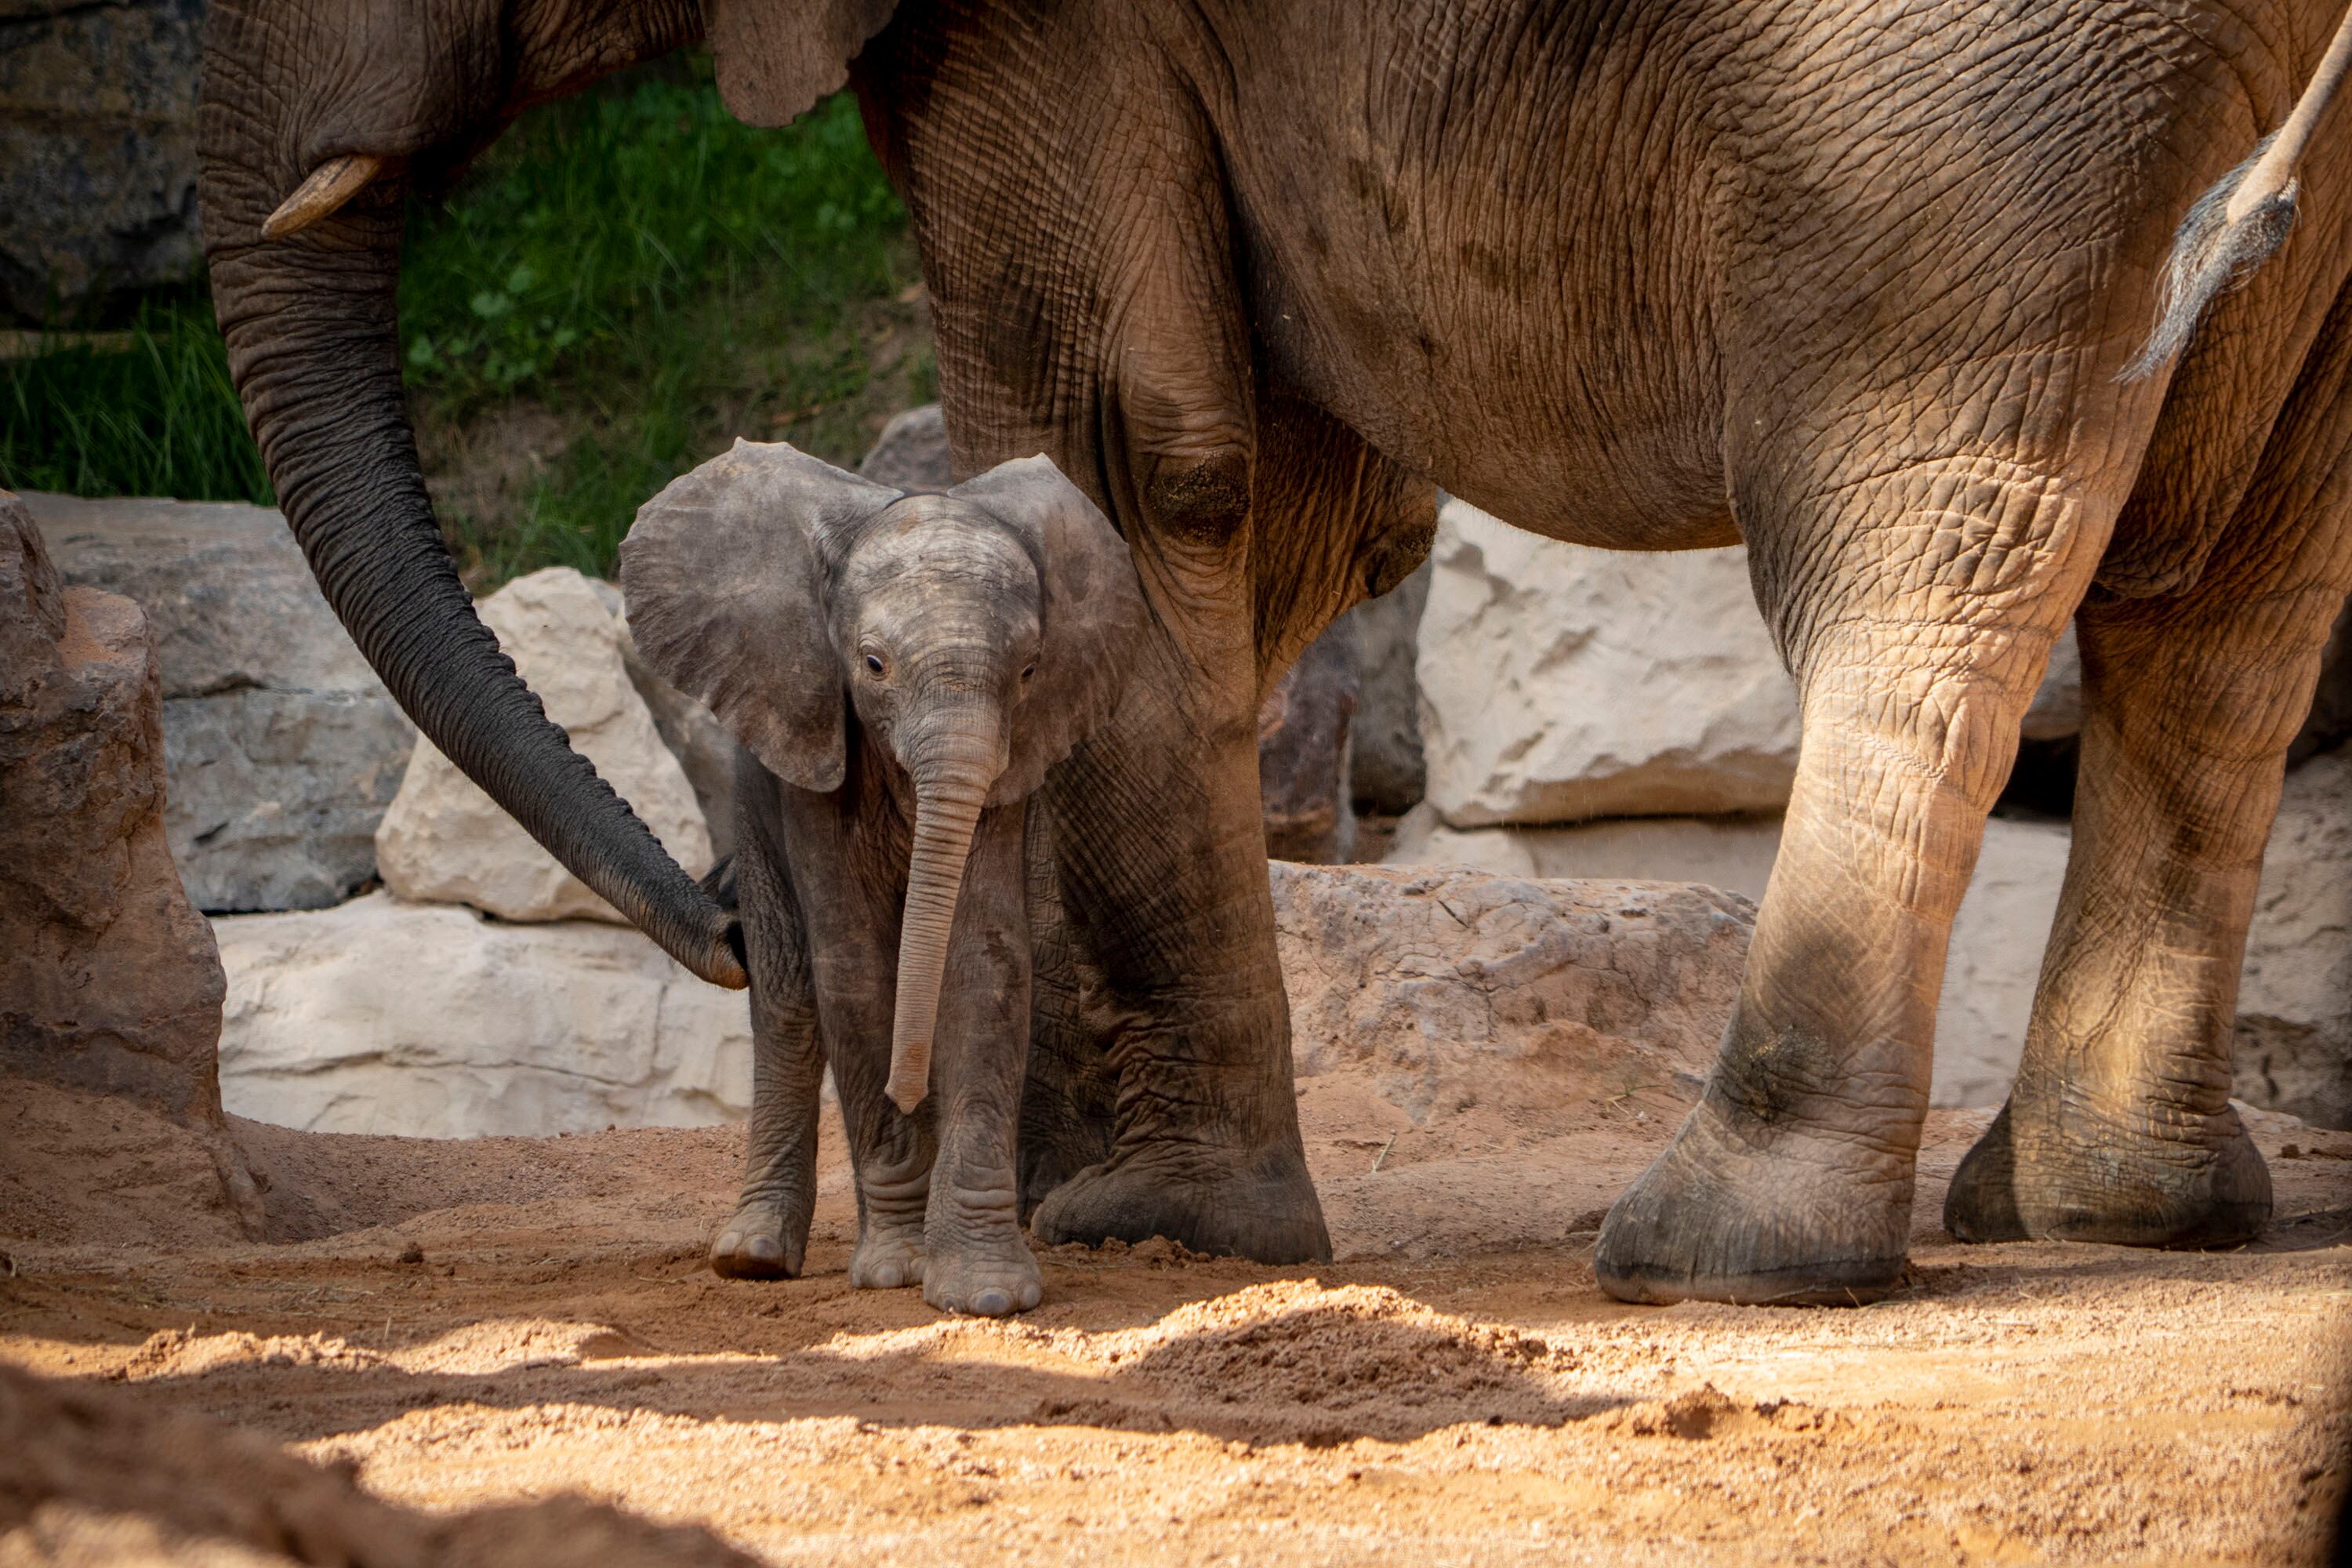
column 1995, row 960
column 2294, row 1004
column 692, row 732
column 430, row 1021
column 443, row 841
column 1454, row 985
column 1560, row 682
column 1733, row 853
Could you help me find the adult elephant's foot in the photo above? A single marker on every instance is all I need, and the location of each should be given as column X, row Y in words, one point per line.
column 2042, row 1173
column 1739, row 1209
column 1259, row 1205
column 759, row 1242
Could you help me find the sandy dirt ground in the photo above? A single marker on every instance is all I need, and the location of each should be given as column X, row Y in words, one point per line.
column 476, row 1335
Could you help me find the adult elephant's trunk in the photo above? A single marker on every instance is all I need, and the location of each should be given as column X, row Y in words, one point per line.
column 948, row 800
column 313, row 346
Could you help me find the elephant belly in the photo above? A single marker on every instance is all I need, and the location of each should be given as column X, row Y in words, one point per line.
column 1461, row 279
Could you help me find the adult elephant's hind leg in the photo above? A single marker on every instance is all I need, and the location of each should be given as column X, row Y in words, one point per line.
column 2118, row 1126
column 1918, row 608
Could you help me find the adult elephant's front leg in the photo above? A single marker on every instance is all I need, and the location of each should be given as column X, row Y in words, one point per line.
column 1162, row 855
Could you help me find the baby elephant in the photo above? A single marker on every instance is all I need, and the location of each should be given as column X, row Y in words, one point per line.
column 901, row 670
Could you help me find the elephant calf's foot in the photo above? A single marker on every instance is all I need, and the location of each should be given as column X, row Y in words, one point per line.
column 1261, row 1207
column 760, row 1241
column 989, row 1277
column 888, row 1257
column 2038, row 1175
column 1750, row 1212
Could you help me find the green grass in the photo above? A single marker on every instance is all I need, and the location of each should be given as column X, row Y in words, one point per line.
column 158, row 417
column 626, row 282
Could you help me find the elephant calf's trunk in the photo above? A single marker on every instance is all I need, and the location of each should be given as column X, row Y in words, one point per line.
column 947, row 814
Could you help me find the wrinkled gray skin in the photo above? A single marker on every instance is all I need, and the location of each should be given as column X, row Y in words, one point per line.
column 901, row 670
column 1852, row 283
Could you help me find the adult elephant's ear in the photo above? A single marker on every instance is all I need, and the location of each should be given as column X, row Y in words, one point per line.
column 776, row 57
column 1092, row 619
column 724, row 577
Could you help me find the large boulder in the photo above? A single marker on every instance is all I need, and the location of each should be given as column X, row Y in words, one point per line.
column 1993, row 963
column 97, row 149
column 426, row 1020
column 1451, row 983
column 911, row 453
column 1560, row 683
column 111, row 981
column 1730, row 852
column 1387, row 773
column 443, row 841
column 109, row 986
column 282, row 747
column 1302, row 752
column 2295, row 1005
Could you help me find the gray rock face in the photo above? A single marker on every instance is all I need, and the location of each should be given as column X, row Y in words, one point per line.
column 97, row 149
column 911, row 453
column 1452, row 983
column 281, row 748
column 1387, row 773
column 1302, row 752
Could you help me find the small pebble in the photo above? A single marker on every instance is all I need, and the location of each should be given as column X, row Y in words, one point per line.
column 412, row 1253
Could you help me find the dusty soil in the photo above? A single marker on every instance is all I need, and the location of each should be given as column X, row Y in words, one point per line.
column 477, row 1336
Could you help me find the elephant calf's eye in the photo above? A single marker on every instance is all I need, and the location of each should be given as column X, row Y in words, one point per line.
column 1028, row 672
column 874, row 662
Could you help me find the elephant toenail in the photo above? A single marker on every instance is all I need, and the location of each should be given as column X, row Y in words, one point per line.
column 992, row 1303
column 729, row 1244
column 766, row 1248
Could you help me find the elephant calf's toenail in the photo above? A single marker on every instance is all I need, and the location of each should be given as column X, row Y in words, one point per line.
column 992, row 1303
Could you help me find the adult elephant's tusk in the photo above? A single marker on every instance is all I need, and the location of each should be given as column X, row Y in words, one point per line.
column 331, row 185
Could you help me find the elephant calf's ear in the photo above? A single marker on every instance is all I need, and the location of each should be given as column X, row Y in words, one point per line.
column 1092, row 618
column 724, row 579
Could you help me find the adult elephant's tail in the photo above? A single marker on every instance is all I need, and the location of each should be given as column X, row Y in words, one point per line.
column 2239, row 223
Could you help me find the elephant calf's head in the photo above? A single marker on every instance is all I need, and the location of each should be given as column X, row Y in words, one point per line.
column 975, row 636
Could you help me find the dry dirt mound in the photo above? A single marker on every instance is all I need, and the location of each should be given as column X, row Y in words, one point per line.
column 94, row 1476
column 1296, row 1353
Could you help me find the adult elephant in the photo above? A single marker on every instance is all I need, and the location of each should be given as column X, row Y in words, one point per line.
column 1854, row 283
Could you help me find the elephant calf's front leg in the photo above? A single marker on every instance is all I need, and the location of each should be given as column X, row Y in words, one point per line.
column 976, row 1258
column 767, row 1237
